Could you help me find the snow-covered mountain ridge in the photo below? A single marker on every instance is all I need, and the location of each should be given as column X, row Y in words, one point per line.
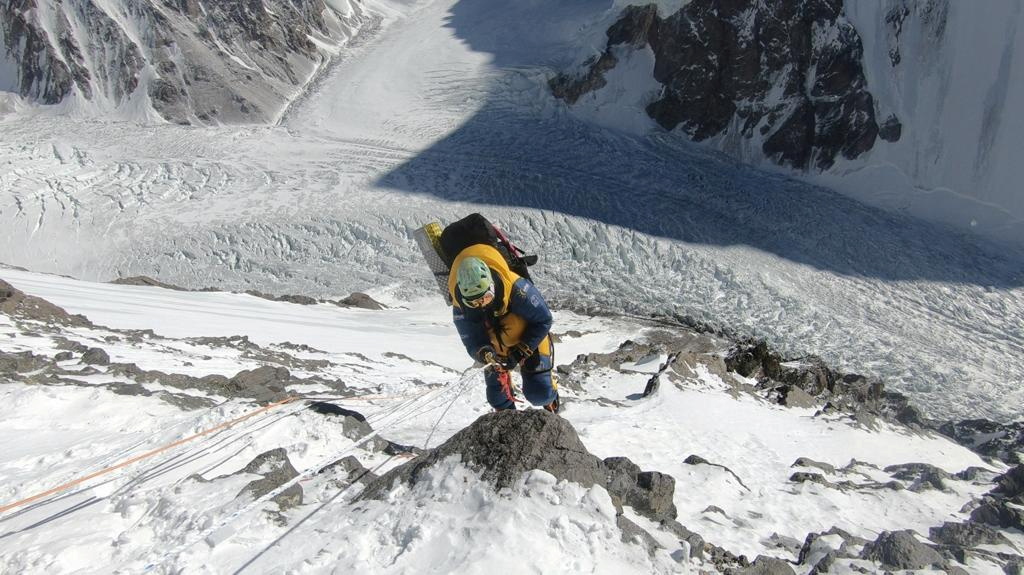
column 903, row 103
column 178, row 61
column 663, row 464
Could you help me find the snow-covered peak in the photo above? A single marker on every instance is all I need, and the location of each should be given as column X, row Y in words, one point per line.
column 182, row 62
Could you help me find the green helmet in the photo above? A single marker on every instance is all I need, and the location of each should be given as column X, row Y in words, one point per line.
column 474, row 278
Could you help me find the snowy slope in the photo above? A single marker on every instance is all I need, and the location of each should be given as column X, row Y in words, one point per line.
column 956, row 86
column 403, row 369
column 445, row 111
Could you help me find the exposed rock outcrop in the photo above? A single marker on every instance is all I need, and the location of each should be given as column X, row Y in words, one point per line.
column 96, row 356
column 230, row 61
column 902, row 550
column 1004, row 505
column 785, row 74
column 1003, row 441
column 361, row 300
column 146, row 281
column 16, row 303
column 276, row 469
column 506, row 444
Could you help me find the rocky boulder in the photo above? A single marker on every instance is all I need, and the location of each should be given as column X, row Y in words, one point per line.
column 264, row 384
column 902, row 550
column 276, row 469
column 362, row 301
column 503, row 445
column 1011, row 484
column 96, row 356
column 766, row 566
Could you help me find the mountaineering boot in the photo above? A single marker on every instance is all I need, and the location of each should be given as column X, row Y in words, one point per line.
column 554, row 405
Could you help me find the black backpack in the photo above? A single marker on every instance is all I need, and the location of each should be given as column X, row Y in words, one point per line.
column 476, row 229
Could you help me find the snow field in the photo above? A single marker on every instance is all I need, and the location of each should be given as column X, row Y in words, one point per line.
column 179, row 512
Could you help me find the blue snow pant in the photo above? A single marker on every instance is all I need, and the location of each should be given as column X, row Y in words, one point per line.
column 536, row 371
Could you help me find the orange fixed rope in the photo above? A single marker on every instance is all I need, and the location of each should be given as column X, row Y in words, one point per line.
column 145, row 455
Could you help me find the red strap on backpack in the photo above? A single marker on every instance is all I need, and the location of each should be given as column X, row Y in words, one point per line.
column 508, row 243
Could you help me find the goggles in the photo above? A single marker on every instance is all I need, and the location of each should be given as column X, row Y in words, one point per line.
column 484, row 300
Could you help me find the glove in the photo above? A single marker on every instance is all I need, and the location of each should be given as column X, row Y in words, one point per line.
column 487, row 355
column 516, row 356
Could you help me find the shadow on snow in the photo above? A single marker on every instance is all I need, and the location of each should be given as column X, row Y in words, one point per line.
column 509, row 155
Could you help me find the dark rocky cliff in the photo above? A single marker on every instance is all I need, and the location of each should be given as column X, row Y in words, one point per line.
column 226, row 61
column 786, row 74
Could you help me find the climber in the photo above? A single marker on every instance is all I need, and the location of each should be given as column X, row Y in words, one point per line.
column 504, row 322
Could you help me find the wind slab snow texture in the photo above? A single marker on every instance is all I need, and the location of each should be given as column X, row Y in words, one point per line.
column 445, row 112
column 176, row 512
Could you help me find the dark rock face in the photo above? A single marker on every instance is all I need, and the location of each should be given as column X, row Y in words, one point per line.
column 767, row 566
column 785, row 73
column 891, row 129
column 361, row 300
column 504, row 445
column 1002, row 507
column 866, row 399
column 50, row 70
column 12, row 364
column 42, row 76
column 352, row 469
column 96, row 356
column 1011, row 484
column 648, row 492
column 805, row 462
column 901, row 550
column 966, row 535
column 205, row 58
column 814, row 383
column 698, row 460
column 807, row 551
column 263, row 383
column 276, row 469
column 1003, row 441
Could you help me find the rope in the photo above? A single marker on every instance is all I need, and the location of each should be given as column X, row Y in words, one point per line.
column 157, row 451
column 298, row 478
column 455, row 397
column 145, row 455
